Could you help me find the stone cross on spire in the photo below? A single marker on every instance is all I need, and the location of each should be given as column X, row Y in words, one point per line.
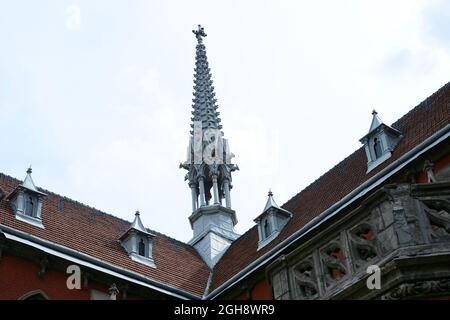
column 199, row 33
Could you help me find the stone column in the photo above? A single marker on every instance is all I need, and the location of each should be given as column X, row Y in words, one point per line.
column 215, row 190
column 201, row 184
column 226, row 187
column 193, row 187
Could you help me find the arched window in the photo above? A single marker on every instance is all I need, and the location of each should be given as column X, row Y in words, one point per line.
column 377, row 148
column 267, row 230
column 142, row 248
column 34, row 295
column 29, row 207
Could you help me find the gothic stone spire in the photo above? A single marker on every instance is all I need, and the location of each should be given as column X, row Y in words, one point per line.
column 204, row 101
column 209, row 166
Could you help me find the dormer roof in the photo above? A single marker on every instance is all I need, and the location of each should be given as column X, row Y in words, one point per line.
column 376, row 125
column 27, row 184
column 271, row 204
column 137, row 226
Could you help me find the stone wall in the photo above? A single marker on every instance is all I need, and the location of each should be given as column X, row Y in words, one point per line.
column 404, row 229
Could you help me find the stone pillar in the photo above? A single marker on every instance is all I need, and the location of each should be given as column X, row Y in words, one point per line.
column 226, row 187
column 193, row 187
column 113, row 291
column 201, row 184
column 215, row 190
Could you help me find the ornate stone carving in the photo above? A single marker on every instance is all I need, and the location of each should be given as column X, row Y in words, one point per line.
column 334, row 263
column 438, row 213
column 428, row 167
column 113, row 292
column 305, row 280
column 418, row 289
column 363, row 244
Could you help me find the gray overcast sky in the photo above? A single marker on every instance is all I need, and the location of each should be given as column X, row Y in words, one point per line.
column 96, row 95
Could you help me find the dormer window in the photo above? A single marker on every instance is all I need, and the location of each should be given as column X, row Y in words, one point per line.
column 142, row 248
column 138, row 242
column 26, row 201
column 267, row 231
column 379, row 142
column 29, row 207
column 271, row 221
column 377, row 148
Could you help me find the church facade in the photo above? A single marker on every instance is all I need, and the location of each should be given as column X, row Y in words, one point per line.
column 375, row 226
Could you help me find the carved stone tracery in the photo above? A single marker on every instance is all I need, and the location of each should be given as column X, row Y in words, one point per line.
column 363, row 244
column 305, row 280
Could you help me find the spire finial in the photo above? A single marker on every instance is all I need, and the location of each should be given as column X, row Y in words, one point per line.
column 29, row 170
column 270, row 194
column 199, row 33
column 374, row 112
column 137, row 213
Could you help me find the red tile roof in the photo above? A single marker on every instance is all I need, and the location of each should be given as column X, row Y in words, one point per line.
column 178, row 265
column 417, row 125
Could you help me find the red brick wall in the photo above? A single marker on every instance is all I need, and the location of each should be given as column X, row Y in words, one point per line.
column 19, row 276
column 261, row 291
column 438, row 166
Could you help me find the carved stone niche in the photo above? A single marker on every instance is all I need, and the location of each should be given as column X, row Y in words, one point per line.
column 364, row 244
column 333, row 263
column 305, row 280
column 438, row 214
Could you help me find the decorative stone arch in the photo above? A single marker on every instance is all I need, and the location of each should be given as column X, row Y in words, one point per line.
column 35, row 295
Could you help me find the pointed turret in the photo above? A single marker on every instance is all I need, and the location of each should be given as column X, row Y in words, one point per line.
column 204, row 101
column 209, row 167
column 28, row 182
column 376, row 121
column 270, row 202
column 137, row 224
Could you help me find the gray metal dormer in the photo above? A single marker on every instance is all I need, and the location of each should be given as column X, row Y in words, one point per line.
column 138, row 242
column 379, row 142
column 271, row 221
column 26, row 201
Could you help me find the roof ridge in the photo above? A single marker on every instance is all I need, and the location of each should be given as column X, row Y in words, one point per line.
column 425, row 103
column 48, row 192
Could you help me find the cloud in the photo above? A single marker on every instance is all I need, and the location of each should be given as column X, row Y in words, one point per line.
column 407, row 62
column 73, row 18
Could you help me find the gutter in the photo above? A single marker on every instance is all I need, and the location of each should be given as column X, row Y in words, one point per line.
column 93, row 263
column 360, row 191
